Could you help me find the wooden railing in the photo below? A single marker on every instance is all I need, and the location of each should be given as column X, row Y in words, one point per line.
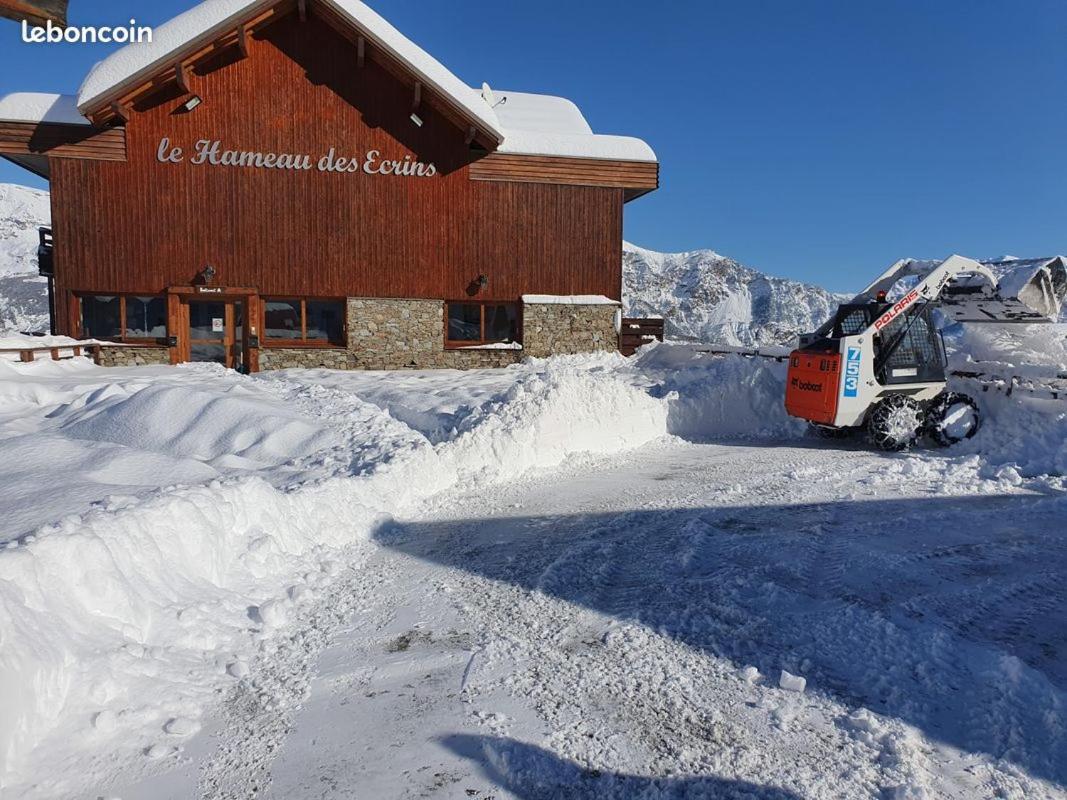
column 55, row 353
column 637, row 331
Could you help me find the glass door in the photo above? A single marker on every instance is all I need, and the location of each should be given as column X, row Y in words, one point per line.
column 216, row 332
column 207, row 331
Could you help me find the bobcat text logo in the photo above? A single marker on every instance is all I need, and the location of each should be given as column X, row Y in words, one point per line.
column 806, row 386
column 852, row 371
column 892, row 313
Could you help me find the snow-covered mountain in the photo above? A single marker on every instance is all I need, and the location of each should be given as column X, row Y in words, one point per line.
column 23, row 295
column 708, row 297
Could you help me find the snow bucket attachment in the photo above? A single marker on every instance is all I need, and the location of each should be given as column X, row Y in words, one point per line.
column 1027, row 291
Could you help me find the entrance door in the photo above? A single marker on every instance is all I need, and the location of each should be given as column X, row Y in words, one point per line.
column 216, row 332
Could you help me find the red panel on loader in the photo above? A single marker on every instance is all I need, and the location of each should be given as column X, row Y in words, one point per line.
column 812, row 384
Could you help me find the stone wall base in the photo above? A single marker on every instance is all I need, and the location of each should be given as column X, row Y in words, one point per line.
column 553, row 329
column 388, row 333
column 133, row 356
column 303, row 358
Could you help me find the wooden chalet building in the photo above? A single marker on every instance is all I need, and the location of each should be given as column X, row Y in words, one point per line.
column 272, row 184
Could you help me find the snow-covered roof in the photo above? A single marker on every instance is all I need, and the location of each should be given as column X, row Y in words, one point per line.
column 569, row 300
column 539, row 112
column 523, row 123
column 140, row 58
column 40, row 107
column 543, row 125
column 211, row 17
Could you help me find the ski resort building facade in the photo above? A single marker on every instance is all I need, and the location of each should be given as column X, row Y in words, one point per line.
column 279, row 184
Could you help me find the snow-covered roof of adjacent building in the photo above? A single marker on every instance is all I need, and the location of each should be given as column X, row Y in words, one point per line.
column 41, row 107
column 543, row 125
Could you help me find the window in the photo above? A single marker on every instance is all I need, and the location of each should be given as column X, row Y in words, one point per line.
column 123, row 318
column 469, row 324
column 146, row 318
column 303, row 321
column 917, row 353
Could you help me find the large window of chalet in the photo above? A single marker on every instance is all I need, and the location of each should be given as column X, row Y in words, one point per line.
column 470, row 324
column 125, row 318
column 298, row 320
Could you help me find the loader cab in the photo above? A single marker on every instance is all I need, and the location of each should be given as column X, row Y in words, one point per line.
column 910, row 348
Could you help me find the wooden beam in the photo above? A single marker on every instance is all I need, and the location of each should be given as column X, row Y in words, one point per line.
column 361, row 51
column 181, row 77
column 302, row 7
column 190, row 56
column 35, row 12
column 242, row 40
column 471, row 133
column 417, row 99
column 121, row 110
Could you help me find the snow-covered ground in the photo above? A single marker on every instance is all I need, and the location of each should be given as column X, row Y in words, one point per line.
column 576, row 577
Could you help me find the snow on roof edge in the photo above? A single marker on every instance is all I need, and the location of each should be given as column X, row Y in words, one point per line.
column 200, row 23
column 41, row 107
column 596, row 145
column 560, row 129
column 421, row 62
column 570, row 300
column 139, row 59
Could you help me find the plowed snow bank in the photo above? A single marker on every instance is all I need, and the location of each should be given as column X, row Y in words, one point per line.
column 116, row 621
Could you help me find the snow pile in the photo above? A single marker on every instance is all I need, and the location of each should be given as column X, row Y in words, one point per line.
column 235, row 427
column 168, row 593
column 1021, row 433
column 706, row 297
column 719, row 396
column 545, row 417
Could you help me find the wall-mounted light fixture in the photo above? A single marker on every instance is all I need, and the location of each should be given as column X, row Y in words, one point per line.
column 417, row 120
column 192, row 102
column 208, row 273
column 483, row 281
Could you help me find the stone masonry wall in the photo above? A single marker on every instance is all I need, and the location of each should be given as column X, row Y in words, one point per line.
column 303, row 358
column 560, row 328
column 133, row 356
column 386, row 333
column 391, row 333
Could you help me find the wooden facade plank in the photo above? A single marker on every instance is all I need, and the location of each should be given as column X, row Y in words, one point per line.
column 62, row 141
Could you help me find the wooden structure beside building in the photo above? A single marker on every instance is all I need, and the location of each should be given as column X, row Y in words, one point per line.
column 299, row 185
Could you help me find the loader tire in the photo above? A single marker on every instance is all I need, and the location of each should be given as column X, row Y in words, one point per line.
column 952, row 417
column 895, row 423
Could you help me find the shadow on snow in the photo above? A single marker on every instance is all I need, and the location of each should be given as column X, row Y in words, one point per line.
column 529, row 772
column 946, row 613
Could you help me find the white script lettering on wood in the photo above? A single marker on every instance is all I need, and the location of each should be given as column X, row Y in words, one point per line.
column 210, row 152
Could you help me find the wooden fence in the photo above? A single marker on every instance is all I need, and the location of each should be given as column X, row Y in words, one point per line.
column 55, row 353
column 637, row 331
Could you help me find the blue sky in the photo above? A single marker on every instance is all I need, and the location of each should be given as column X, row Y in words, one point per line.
column 819, row 140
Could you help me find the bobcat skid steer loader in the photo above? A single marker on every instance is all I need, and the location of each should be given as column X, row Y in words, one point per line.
column 880, row 364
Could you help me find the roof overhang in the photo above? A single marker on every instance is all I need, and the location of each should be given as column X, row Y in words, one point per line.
column 106, row 101
column 35, row 12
